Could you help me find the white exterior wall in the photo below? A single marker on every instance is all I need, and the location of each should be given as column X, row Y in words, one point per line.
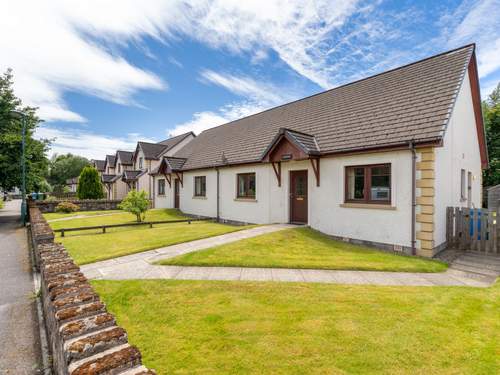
column 460, row 151
column 325, row 211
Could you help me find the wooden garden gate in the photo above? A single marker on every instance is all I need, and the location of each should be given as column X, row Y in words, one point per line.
column 475, row 229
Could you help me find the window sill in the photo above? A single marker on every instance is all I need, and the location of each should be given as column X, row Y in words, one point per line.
column 199, row 197
column 369, row 205
column 245, row 200
column 161, row 195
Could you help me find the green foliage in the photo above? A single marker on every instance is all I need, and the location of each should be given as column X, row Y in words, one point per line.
column 67, row 207
column 11, row 140
column 89, row 184
column 491, row 114
column 1, row 203
column 51, row 198
column 137, row 203
column 64, row 167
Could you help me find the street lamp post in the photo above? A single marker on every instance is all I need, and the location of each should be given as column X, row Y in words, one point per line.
column 22, row 116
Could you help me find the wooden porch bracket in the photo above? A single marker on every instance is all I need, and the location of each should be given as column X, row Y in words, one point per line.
column 180, row 176
column 315, row 166
column 277, row 171
column 169, row 179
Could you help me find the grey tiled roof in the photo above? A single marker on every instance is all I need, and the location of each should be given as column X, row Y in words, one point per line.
column 171, row 142
column 111, row 160
column 132, row 175
column 100, row 164
column 108, row 178
column 151, row 150
column 175, row 163
column 408, row 104
column 125, row 157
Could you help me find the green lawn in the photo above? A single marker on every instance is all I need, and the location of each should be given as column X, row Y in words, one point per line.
column 303, row 248
column 200, row 327
column 60, row 215
column 89, row 247
column 119, row 217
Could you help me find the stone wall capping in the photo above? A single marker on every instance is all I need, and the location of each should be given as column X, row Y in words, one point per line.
column 83, row 335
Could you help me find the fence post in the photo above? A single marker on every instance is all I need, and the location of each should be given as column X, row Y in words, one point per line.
column 496, row 231
column 62, row 233
column 103, row 229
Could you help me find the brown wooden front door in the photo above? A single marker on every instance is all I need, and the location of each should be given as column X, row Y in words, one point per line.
column 176, row 193
column 298, row 197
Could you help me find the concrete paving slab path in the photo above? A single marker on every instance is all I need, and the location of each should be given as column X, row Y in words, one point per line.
column 141, row 266
column 19, row 333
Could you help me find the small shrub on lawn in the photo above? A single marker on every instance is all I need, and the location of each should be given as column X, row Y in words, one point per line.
column 67, row 207
column 51, row 198
column 1, row 203
column 137, row 203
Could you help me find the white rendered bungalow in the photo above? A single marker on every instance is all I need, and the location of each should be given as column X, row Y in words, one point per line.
column 376, row 161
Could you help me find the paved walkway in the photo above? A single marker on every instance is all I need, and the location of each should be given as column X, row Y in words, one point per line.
column 19, row 334
column 140, row 266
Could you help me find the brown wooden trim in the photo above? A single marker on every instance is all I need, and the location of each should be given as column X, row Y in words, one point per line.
column 168, row 177
column 277, row 171
column 316, row 169
column 180, row 177
column 478, row 113
column 367, row 184
column 397, row 147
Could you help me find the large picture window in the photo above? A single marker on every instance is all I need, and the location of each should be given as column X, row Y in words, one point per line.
column 161, row 186
column 368, row 184
column 246, row 185
column 200, row 186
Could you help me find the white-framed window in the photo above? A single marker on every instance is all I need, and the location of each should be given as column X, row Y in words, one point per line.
column 140, row 163
column 161, row 186
column 200, row 186
column 463, row 185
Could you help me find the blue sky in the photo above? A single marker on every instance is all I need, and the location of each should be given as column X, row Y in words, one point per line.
column 106, row 74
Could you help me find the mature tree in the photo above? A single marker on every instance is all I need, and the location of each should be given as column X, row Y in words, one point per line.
column 63, row 167
column 11, row 140
column 137, row 203
column 89, row 184
column 491, row 114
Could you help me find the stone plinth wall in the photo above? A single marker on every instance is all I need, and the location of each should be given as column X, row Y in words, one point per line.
column 85, row 205
column 83, row 337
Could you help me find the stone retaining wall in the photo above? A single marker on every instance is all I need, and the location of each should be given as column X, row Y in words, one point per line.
column 84, row 338
column 85, row 205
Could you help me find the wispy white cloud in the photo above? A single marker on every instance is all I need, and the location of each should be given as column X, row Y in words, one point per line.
column 479, row 22
column 52, row 48
column 208, row 119
column 86, row 143
column 247, row 87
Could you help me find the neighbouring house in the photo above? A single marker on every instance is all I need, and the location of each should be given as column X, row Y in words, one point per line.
column 72, row 184
column 100, row 165
column 376, row 161
column 147, row 157
column 108, row 176
column 126, row 170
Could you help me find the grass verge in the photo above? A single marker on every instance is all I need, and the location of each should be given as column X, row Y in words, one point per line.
column 200, row 327
column 88, row 247
column 118, row 217
column 303, row 248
